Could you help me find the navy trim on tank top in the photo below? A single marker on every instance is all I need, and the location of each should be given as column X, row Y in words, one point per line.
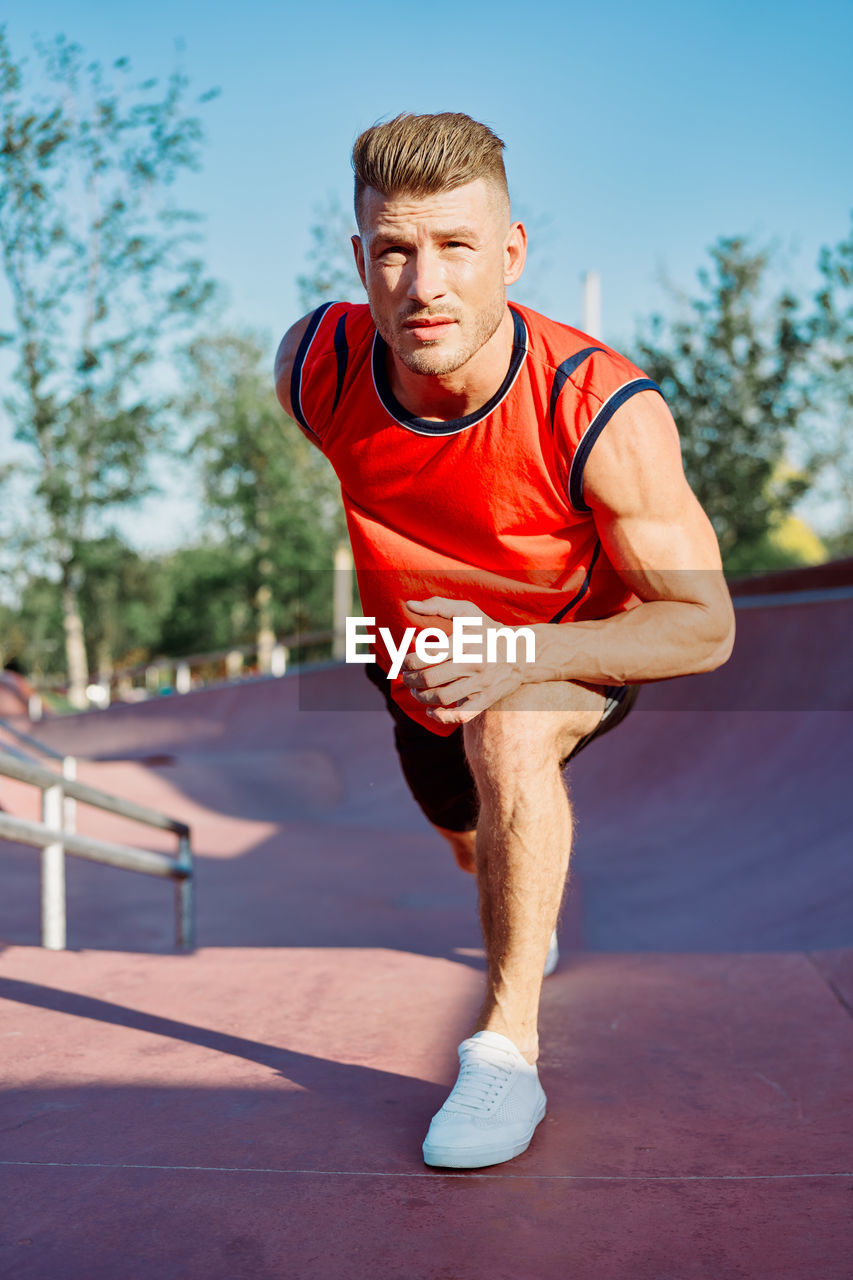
column 423, row 426
column 558, row 617
column 296, row 372
column 342, row 356
column 564, row 372
column 594, row 430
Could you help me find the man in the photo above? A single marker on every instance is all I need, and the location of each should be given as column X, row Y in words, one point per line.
column 497, row 464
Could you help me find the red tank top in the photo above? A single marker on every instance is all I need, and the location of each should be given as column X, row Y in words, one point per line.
column 487, row 508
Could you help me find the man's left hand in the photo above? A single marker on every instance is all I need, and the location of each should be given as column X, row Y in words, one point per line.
column 455, row 693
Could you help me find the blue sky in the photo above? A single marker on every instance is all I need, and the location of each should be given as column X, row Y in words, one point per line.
column 636, row 134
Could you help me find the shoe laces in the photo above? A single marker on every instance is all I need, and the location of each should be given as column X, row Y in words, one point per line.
column 481, row 1080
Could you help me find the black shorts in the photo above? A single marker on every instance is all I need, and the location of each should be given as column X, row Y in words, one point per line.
column 436, row 768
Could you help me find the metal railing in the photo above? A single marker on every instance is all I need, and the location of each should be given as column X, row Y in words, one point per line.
column 41, row 747
column 68, row 765
column 55, row 836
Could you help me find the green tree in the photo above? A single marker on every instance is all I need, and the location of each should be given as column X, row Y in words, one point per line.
column 331, row 274
column 123, row 597
column 103, row 276
column 34, row 627
column 11, row 646
column 733, row 368
column 270, row 496
column 206, row 608
column 831, row 329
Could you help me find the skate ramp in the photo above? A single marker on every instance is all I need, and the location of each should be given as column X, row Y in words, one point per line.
column 256, row 1109
column 715, row 818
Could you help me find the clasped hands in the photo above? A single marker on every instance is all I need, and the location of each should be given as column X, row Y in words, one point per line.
column 454, row 693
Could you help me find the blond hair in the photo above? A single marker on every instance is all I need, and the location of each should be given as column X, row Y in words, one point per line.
column 422, row 155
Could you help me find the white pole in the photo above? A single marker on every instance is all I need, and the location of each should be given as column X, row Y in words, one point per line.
column 69, row 807
column 233, row 664
column 53, row 873
column 342, row 599
column 592, row 304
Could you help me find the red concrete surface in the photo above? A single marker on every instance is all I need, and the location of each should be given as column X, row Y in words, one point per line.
column 256, row 1109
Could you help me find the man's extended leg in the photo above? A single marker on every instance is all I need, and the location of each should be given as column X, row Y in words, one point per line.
column 524, row 831
column 524, row 836
column 464, row 846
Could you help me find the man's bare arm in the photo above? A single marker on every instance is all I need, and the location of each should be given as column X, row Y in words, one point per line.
column 663, row 547
column 284, row 360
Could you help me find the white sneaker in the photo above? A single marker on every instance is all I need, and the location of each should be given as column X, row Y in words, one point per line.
column 553, row 957
column 493, row 1109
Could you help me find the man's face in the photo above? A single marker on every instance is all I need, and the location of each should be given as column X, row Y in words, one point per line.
column 436, row 269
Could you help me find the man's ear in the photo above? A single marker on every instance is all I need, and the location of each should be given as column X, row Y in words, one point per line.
column 358, row 250
column 515, row 253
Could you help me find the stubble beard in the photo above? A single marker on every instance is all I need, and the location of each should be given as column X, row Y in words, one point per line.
column 429, row 359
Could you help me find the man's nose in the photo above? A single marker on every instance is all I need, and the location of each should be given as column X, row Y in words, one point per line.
column 426, row 277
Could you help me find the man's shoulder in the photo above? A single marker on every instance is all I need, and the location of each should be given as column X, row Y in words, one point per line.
column 334, row 325
column 554, row 342
column 355, row 315
column 565, row 354
column 327, row 349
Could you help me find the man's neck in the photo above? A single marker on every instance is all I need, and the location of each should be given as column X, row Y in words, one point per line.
column 443, row 397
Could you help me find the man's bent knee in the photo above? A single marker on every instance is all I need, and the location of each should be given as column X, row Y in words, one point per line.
column 463, row 844
column 535, row 727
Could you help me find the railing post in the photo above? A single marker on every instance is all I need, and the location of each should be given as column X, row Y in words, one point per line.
column 55, row 836
column 185, row 897
column 53, row 872
column 69, row 806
